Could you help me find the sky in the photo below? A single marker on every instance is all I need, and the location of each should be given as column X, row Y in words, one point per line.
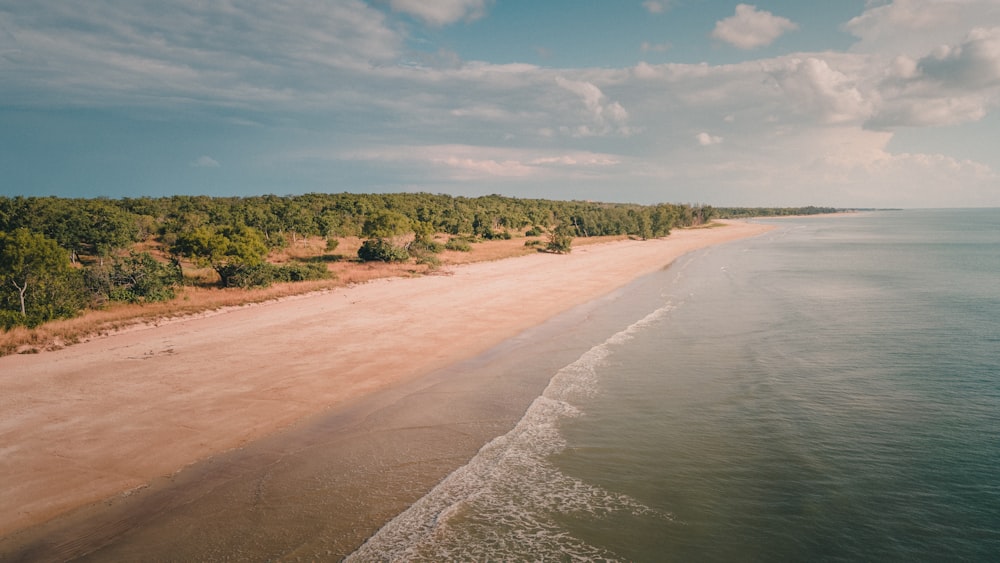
column 845, row 103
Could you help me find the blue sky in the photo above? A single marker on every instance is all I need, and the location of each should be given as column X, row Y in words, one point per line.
column 850, row 103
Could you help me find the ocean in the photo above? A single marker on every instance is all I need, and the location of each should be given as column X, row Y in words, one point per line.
column 829, row 391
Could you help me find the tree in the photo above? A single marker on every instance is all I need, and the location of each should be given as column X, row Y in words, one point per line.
column 382, row 250
column 139, row 277
column 39, row 273
column 386, row 224
column 109, row 228
column 228, row 250
column 382, row 229
column 560, row 239
column 296, row 219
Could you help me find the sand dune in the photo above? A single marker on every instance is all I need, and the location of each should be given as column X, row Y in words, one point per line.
column 96, row 419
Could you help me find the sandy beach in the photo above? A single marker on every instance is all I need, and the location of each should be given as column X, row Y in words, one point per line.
column 98, row 419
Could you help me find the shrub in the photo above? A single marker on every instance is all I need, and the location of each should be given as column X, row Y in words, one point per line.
column 560, row 242
column 382, row 250
column 535, row 231
column 424, row 250
column 423, row 246
column 247, row 275
column 139, row 277
column 430, row 260
column 458, row 244
column 490, row 234
column 299, row 271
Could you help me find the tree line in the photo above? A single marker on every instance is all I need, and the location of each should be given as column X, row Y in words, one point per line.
column 746, row 212
column 59, row 256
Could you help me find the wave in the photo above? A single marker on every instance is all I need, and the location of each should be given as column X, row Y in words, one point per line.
column 507, row 500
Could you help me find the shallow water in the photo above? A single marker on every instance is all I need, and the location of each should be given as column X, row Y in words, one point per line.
column 829, row 391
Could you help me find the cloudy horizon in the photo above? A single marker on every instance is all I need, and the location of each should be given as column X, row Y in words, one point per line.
column 781, row 103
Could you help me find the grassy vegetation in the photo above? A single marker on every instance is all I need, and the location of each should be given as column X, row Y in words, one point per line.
column 199, row 295
column 74, row 268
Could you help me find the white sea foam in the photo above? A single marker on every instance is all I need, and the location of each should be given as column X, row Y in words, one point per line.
column 503, row 504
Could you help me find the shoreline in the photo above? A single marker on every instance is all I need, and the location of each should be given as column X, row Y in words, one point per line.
column 93, row 421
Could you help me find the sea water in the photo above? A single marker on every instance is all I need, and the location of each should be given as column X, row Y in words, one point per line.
column 827, row 391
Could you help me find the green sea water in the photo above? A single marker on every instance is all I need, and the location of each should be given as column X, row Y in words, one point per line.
column 829, row 391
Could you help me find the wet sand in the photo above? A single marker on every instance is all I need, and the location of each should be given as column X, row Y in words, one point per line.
column 362, row 381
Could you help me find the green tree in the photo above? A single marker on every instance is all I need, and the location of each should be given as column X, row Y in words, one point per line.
column 109, row 228
column 560, row 239
column 296, row 219
column 230, row 250
column 139, row 277
column 38, row 283
column 382, row 250
column 383, row 229
column 386, row 224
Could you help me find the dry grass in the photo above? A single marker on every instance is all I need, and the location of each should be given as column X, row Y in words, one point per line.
column 709, row 225
column 199, row 297
column 119, row 316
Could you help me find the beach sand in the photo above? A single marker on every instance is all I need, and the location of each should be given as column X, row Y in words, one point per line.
column 88, row 429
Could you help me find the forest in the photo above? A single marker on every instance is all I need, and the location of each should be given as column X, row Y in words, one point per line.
column 61, row 256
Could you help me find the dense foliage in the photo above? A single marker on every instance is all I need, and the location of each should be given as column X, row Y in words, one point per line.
column 134, row 278
column 37, row 282
column 60, row 255
column 741, row 212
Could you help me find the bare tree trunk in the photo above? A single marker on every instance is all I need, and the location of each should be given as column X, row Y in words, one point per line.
column 20, row 292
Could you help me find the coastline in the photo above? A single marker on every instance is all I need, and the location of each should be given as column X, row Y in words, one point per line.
column 112, row 415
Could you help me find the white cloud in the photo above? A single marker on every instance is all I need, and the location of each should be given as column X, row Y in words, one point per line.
column 915, row 27
column 808, row 128
column 929, row 112
column 750, row 28
column 205, row 161
column 655, row 7
column 468, row 162
column 838, row 166
column 953, row 84
column 648, row 47
column 122, row 52
column 816, row 89
column 606, row 117
column 972, row 64
column 644, row 70
column 441, row 12
column 705, row 139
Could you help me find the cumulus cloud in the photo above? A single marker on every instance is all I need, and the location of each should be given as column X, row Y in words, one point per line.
column 441, row 12
column 607, row 116
column 705, row 139
column 952, row 84
column 343, row 67
column 750, row 28
column 973, row 64
column 928, row 112
column 819, row 90
column 830, row 166
column 914, row 27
